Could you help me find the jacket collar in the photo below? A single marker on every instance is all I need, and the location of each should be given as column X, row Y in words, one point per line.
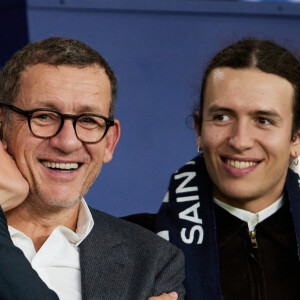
column 293, row 194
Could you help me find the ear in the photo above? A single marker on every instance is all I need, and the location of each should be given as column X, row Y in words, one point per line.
column 196, row 122
column 112, row 139
column 295, row 145
column 199, row 144
column 198, row 130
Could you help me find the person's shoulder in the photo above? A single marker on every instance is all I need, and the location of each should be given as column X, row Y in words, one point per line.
column 126, row 229
column 155, row 265
column 145, row 220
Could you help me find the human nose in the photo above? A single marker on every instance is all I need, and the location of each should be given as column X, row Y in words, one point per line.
column 66, row 139
column 241, row 136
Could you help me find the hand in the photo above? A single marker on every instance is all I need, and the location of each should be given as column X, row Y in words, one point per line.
column 13, row 186
column 164, row 296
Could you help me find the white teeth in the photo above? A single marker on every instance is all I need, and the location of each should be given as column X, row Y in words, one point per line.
column 60, row 166
column 240, row 164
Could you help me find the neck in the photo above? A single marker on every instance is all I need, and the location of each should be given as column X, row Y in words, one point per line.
column 38, row 224
column 253, row 205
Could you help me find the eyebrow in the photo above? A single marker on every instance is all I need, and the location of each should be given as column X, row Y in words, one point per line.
column 43, row 104
column 88, row 108
column 267, row 113
column 216, row 108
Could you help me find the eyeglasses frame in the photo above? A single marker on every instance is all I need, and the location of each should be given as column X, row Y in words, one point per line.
column 28, row 114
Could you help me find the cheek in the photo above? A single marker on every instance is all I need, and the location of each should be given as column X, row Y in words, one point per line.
column 213, row 138
column 15, row 147
column 94, row 167
column 276, row 144
column 96, row 153
column 16, row 136
column 24, row 160
column 23, row 149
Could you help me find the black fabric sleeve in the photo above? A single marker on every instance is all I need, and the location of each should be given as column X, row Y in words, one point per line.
column 17, row 278
column 145, row 220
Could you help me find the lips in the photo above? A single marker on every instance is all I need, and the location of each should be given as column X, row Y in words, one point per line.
column 62, row 166
column 239, row 164
column 239, row 167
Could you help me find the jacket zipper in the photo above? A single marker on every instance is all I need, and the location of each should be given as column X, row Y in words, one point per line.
column 253, row 239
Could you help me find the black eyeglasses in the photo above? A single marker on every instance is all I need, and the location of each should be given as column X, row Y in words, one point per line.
column 45, row 123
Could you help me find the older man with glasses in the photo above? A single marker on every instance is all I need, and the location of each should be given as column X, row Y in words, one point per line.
column 57, row 103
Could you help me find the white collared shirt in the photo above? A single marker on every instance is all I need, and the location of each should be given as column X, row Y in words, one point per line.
column 252, row 219
column 57, row 262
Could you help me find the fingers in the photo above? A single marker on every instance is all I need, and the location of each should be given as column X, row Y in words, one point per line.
column 173, row 295
column 4, row 143
column 164, row 296
column 3, row 146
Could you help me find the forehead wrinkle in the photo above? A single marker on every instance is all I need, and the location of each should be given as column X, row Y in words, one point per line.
column 215, row 108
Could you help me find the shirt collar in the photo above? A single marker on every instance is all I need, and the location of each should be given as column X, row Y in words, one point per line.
column 252, row 219
column 85, row 220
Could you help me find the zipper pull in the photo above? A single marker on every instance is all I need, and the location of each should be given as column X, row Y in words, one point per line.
column 253, row 239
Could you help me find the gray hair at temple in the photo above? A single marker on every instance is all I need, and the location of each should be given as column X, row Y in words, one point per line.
column 54, row 51
column 264, row 55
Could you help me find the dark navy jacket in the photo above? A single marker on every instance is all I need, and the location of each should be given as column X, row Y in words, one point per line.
column 17, row 278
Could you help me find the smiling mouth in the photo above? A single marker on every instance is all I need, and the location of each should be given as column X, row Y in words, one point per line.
column 61, row 166
column 240, row 164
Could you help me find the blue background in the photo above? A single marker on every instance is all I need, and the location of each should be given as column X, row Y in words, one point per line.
column 158, row 50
